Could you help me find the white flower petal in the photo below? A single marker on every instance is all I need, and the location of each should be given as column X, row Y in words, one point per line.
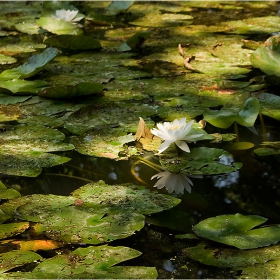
column 164, row 146
column 183, row 146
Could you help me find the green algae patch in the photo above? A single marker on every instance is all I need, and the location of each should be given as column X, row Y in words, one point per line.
column 90, row 263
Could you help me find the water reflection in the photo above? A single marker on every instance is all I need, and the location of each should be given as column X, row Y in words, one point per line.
column 174, row 182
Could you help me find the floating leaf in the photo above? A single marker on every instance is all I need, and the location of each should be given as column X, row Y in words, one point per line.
column 117, row 7
column 93, row 214
column 91, row 263
column 74, row 42
column 267, row 57
column 23, row 87
column 232, row 257
column 271, row 148
column 12, row 229
column 71, row 90
column 236, row 230
column 202, row 160
column 37, row 245
column 32, row 66
column 135, row 42
column 58, row 26
column 17, row 258
column 225, row 117
column 8, row 193
column 270, row 104
column 23, row 151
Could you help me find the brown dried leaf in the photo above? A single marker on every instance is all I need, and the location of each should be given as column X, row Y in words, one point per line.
column 143, row 131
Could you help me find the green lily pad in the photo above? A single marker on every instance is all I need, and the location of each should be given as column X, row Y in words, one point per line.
column 4, row 59
column 31, row 67
column 117, row 7
column 74, row 42
column 93, row 214
column 58, row 26
column 271, row 148
column 226, row 117
column 201, row 161
column 103, row 142
column 17, row 258
column 71, row 91
column 23, row 87
column 109, row 115
column 24, row 150
column 8, row 193
column 269, row 104
column 232, row 257
column 267, row 57
column 135, row 42
column 12, row 229
column 236, row 230
column 91, row 263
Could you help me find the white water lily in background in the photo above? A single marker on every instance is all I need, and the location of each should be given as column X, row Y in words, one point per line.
column 177, row 182
column 175, row 132
column 67, row 15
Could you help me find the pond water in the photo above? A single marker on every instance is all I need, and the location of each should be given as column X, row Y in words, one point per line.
column 254, row 189
column 251, row 190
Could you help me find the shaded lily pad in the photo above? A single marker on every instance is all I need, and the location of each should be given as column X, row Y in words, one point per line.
column 91, row 263
column 17, row 258
column 71, row 90
column 271, row 148
column 23, row 150
column 232, row 257
column 93, row 214
column 23, row 87
column 74, row 42
column 135, row 42
column 31, row 67
column 237, row 230
column 202, row 160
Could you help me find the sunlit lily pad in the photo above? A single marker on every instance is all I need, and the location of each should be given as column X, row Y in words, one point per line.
column 269, row 149
column 117, row 7
column 58, row 26
column 202, row 160
column 103, row 142
column 24, row 150
column 225, row 117
column 95, row 213
column 237, row 230
column 267, row 57
column 17, row 258
column 12, row 229
column 8, row 193
column 31, row 67
column 91, row 263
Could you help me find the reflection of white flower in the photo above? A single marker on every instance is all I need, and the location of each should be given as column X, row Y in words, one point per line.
column 177, row 182
column 67, row 15
column 175, row 132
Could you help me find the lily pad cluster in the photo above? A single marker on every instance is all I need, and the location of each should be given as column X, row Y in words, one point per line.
column 93, row 214
column 238, row 231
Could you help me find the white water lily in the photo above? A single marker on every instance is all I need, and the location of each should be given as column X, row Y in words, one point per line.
column 67, row 15
column 175, row 132
column 177, row 182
